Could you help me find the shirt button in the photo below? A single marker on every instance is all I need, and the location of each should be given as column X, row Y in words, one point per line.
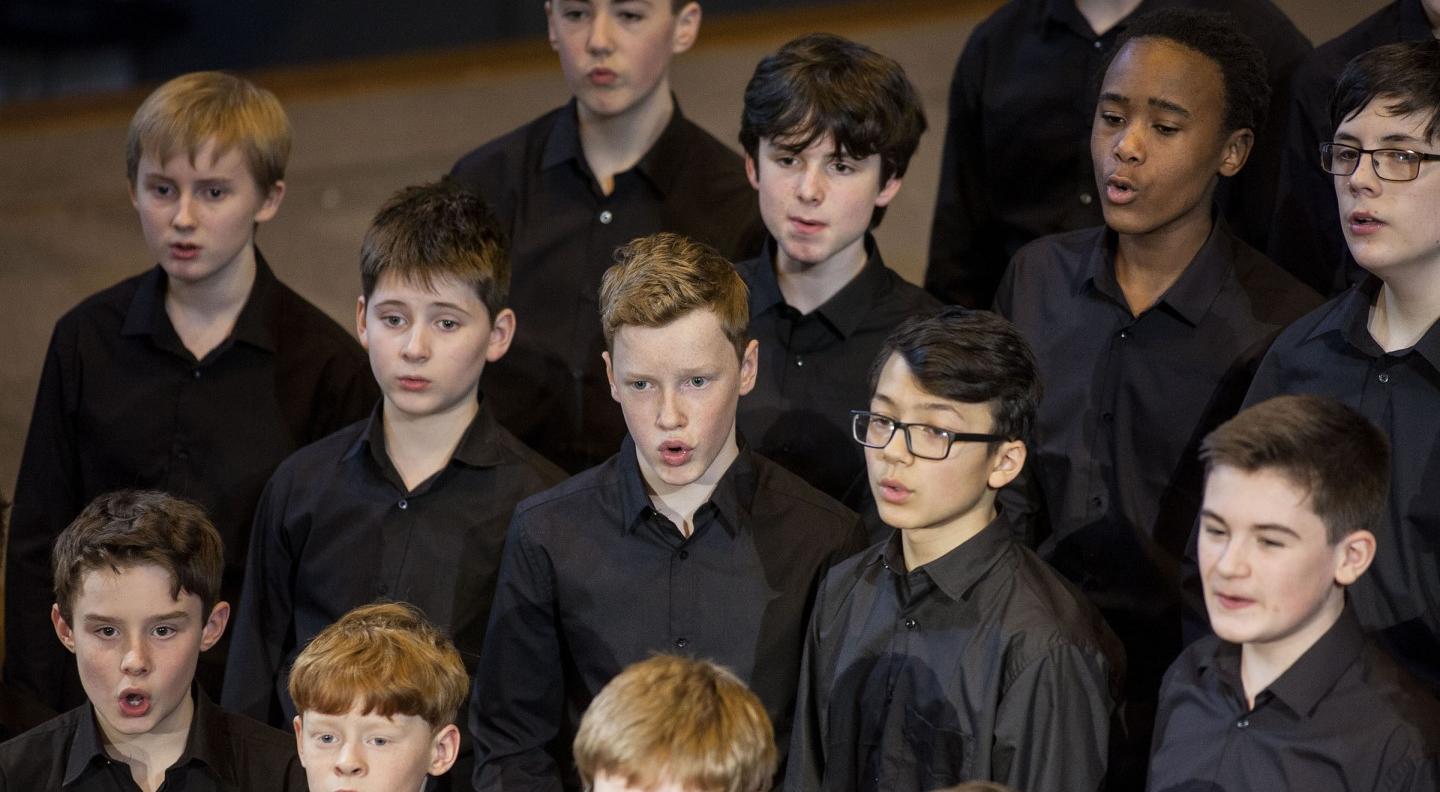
column 681, row 643
column 1099, row 44
column 1384, row 377
column 911, row 624
column 1086, row 199
column 404, row 504
column 195, row 373
column 799, row 361
column 1124, row 333
column 1243, row 723
column 1098, row 502
column 684, row 554
column 606, row 217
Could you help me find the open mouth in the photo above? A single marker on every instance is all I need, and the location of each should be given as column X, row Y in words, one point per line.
column 184, row 250
column 134, row 704
column 602, row 76
column 675, row 453
column 1119, row 191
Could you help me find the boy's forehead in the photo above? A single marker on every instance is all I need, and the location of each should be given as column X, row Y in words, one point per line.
column 130, row 587
column 1169, row 70
column 1380, row 121
column 1265, row 495
column 697, row 333
column 413, row 287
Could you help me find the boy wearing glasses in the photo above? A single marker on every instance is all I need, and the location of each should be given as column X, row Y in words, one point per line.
column 1376, row 347
column 951, row 652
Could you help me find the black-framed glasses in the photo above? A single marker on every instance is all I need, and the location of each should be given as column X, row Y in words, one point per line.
column 1390, row 164
column 874, row 430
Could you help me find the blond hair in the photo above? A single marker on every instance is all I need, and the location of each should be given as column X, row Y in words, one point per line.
column 386, row 658
column 689, row 722
column 657, row 279
column 186, row 112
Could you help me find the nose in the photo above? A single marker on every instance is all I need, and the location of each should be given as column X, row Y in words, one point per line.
column 136, row 661
column 349, row 761
column 897, row 450
column 601, row 40
column 184, row 211
column 417, row 343
column 1364, row 179
column 1234, row 561
column 1129, row 146
column 672, row 413
column 811, row 189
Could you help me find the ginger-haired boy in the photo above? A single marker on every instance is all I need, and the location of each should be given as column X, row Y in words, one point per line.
column 376, row 695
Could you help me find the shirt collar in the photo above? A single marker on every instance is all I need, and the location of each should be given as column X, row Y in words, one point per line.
column 207, row 742
column 1066, row 14
column 1349, row 316
column 956, row 572
column 844, row 310
column 661, row 165
column 479, row 447
column 1314, row 675
column 1197, row 288
column 733, row 498
column 255, row 325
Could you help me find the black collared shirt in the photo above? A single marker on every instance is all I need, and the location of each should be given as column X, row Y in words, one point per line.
column 1016, row 163
column 1115, row 481
column 550, row 388
column 224, row 752
column 595, row 579
column 814, row 369
column 1343, row 717
column 337, row 528
column 1331, row 353
column 1313, row 244
column 980, row 665
column 123, row 404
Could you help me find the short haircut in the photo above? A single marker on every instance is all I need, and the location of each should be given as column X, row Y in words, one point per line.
column 822, row 83
column 659, row 278
column 1217, row 36
column 385, row 658
column 1406, row 76
column 184, row 113
column 1329, row 450
column 686, row 721
column 969, row 356
column 128, row 528
column 435, row 231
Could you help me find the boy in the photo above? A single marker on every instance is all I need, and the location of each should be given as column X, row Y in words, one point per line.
column 674, row 724
column 137, row 584
column 1147, row 331
column 619, row 161
column 684, row 541
column 1289, row 693
column 1377, row 346
column 949, row 651
column 413, row 503
column 376, row 695
column 828, row 129
column 197, row 377
column 1007, row 177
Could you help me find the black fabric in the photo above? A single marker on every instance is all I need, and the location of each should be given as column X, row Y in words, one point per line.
column 1331, row 353
column 1016, row 163
column 224, row 752
column 123, row 404
column 814, row 369
column 594, row 579
column 550, row 389
column 1309, row 241
column 1344, row 716
column 337, row 528
column 983, row 664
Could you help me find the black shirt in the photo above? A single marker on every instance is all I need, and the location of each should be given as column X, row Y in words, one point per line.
column 337, row 528
column 550, row 389
column 980, row 665
column 814, row 369
column 223, row 753
column 1313, row 244
column 1343, row 717
column 1331, row 353
column 1016, row 162
column 595, row 579
column 123, row 404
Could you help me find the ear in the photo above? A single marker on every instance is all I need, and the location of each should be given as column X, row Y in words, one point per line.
column 752, row 171
column 444, row 748
column 550, row 28
column 687, row 28
column 1006, row 463
column 215, row 625
column 502, row 332
column 360, row 321
column 888, row 192
column 1236, row 151
column 134, row 198
column 610, row 376
column 299, row 727
column 271, row 206
column 749, row 366
column 62, row 628
column 1353, row 555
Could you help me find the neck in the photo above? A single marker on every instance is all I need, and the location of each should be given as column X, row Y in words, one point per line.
column 1263, row 663
column 680, row 502
column 808, row 286
column 1407, row 306
column 419, row 446
column 150, row 754
column 1105, row 14
column 204, row 313
column 613, row 144
column 923, row 545
column 1146, row 265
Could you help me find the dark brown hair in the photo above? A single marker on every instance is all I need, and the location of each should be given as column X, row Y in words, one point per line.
column 1405, row 75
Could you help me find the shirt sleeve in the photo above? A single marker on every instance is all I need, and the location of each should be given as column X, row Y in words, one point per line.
column 1052, row 730
column 517, row 702
column 806, row 764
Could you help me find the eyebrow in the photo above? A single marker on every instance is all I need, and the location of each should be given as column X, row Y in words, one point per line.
column 1156, row 102
column 441, row 304
column 1276, row 527
column 172, row 616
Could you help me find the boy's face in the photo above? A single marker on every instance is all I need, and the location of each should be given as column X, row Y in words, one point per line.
column 428, row 348
column 360, row 752
column 136, row 648
column 616, row 53
column 1157, row 141
column 914, row 494
column 1389, row 225
column 678, row 386
column 199, row 219
column 1269, row 574
column 817, row 203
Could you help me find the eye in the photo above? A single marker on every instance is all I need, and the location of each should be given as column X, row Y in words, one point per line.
column 325, row 739
column 216, row 193
column 786, row 160
column 1401, row 156
column 1213, row 530
column 698, row 382
column 165, row 631
column 392, row 320
column 1166, row 129
column 161, row 190
column 631, row 16
column 1112, row 119
column 380, row 741
column 106, row 631
column 639, row 385
column 842, row 167
column 1344, row 154
column 448, row 324
column 1271, row 543
column 931, row 431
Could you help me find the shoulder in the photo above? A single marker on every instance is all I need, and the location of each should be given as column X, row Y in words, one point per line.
column 304, row 326
column 256, row 746
column 1001, row 27
column 318, row 457
column 499, row 158
column 35, row 759
column 542, row 472
column 1047, row 613
column 1065, row 250
column 576, row 495
column 790, row 493
column 907, row 295
column 1298, row 331
column 705, row 150
column 1410, row 714
column 1276, row 296
column 104, row 310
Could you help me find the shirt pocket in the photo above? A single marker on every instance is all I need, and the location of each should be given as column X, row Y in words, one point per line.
column 942, row 755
